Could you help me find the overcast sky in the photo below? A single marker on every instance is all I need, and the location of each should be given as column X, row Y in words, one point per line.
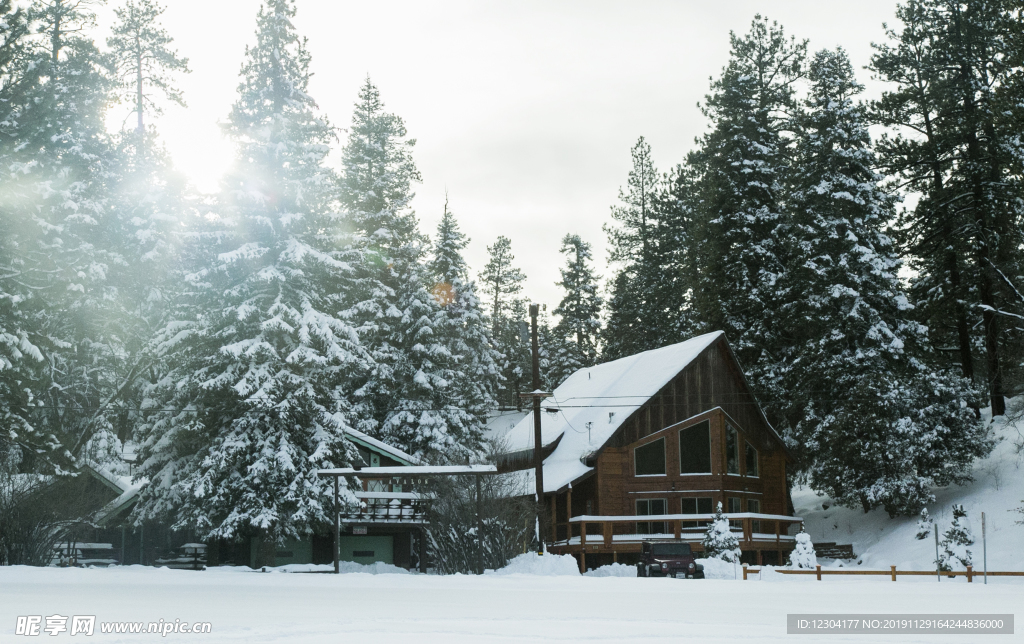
column 524, row 111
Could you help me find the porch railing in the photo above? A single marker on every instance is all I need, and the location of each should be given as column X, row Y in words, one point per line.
column 608, row 531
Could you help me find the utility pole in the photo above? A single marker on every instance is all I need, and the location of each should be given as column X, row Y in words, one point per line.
column 538, row 444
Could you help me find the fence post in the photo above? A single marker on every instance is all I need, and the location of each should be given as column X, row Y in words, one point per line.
column 744, row 572
column 818, row 569
column 893, row 570
column 969, row 574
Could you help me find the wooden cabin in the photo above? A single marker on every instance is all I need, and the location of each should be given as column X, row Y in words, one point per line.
column 647, row 446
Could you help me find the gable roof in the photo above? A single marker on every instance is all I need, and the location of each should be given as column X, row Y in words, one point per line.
column 374, row 445
column 587, row 409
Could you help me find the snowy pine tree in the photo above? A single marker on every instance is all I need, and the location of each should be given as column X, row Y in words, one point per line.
column 642, row 307
column 56, row 158
column 871, row 422
column 740, row 173
column 580, row 311
column 502, row 285
column 719, row 541
column 143, row 61
column 954, row 553
column 803, row 555
column 925, row 525
column 260, row 355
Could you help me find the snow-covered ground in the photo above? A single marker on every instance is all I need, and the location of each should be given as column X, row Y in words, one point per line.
column 880, row 542
column 245, row 606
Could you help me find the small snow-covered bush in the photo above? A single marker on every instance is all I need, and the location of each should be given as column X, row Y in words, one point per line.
column 955, row 554
column 924, row 525
column 719, row 541
column 803, row 556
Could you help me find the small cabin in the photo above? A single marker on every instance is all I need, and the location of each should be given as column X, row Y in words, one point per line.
column 647, row 446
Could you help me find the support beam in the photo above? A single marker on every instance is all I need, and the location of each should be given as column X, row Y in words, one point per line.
column 479, row 528
column 337, row 529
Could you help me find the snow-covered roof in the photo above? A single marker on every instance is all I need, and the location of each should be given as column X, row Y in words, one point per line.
column 370, row 442
column 411, row 470
column 127, row 490
column 499, row 423
column 592, row 403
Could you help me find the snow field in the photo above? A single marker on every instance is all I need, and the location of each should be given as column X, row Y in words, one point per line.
column 384, row 608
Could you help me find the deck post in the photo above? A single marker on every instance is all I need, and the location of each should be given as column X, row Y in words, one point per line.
column 480, row 528
column 818, row 569
column 677, row 529
column 778, row 542
column 744, row 572
column 892, row 569
column 554, row 516
column 423, row 550
column 583, row 547
column 970, row 574
column 337, row 530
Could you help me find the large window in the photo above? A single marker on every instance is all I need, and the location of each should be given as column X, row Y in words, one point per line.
column 649, row 507
column 699, row 505
column 695, row 449
column 734, row 505
column 751, row 460
column 732, row 450
column 754, row 507
column 649, row 459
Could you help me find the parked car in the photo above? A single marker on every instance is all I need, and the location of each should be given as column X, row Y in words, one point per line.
column 668, row 559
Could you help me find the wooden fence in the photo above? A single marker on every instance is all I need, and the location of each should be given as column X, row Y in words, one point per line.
column 970, row 573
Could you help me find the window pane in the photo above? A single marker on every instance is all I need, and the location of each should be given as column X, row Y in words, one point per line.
column 704, row 505
column 732, row 450
column 753, row 505
column 751, row 460
column 689, row 506
column 733, row 505
column 658, row 506
column 643, row 508
column 650, row 458
column 695, row 449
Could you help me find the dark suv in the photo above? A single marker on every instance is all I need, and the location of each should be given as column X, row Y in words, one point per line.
column 668, row 559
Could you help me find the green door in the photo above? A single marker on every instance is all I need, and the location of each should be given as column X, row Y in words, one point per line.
column 368, row 550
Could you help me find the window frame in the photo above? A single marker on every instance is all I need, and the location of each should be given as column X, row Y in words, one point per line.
column 710, row 457
column 733, row 433
column 650, row 524
column 664, row 457
column 746, row 460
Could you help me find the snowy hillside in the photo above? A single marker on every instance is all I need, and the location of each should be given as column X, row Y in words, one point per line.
column 880, row 542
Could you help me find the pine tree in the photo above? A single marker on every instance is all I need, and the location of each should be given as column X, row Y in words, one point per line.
column 955, row 554
column 849, row 372
column 741, row 169
column 144, row 63
column 803, row 555
column 580, row 311
column 411, row 397
column 642, row 308
column 57, row 157
column 456, row 404
column 925, row 525
column 949, row 63
column 260, row 356
column 502, row 283
column 719, row 541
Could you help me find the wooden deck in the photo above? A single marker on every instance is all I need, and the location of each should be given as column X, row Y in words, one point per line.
column 615, row 535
